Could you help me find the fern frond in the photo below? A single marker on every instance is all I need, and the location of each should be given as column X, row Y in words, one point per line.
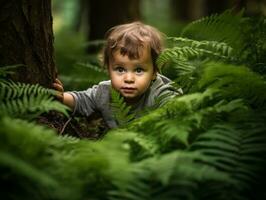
column 176, row 123
column 226, row 158
column 222, row 28
column 23, row 168
column 234, row 82
column 223, row 48
column 186, row 49
column 235, row 151
column 84, row 75
column 183, row 62
column 253, row 54
column 26, row 100
column 176, row 175
column 36, row 158
column 7, row 70
column 13, row 90
column 142, row 147
column 120, row 109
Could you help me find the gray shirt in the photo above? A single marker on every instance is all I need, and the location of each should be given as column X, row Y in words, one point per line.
column 97, row 98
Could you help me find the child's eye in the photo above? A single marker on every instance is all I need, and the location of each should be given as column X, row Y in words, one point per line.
column 139, row 70
column 119, row 69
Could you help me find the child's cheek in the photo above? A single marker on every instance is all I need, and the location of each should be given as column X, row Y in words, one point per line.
column 115, row 83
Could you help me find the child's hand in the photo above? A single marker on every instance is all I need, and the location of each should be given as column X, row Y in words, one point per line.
column 58, row 86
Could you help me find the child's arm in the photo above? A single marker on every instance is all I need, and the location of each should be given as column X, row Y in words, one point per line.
column 62, row 96
column 68, row 100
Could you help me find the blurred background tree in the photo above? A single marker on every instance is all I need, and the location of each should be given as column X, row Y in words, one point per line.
column 95, row 17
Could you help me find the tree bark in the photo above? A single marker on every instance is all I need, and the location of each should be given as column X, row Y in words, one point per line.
column 26, row 37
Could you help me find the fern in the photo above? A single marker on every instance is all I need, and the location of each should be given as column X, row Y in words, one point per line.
column 221, row 28
column 245, row 35
column 84, row 75
column 175, row 124
column 230, row 150
column 253, row 53
column 90, row 71
column 226, row 159
column 142, row 147
column 220, row 124
column 183, row 61
column 7, row 70
column 186, row 49
column 24, row 100
column 120, row 109
column 11, row 90
column 36, row 162
column 24, row 169
column 234, row 82
column 177, row 175
column 222, row 48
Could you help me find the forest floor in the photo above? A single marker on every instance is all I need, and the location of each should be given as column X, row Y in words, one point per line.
column 80, row 127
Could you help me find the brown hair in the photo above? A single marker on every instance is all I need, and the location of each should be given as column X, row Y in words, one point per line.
column 130, row 39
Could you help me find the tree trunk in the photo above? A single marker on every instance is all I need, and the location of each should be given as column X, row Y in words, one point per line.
column 26, row 37
column 251, row 7
column 217, row 6
column 194, row 9
column 103, row 14
column 186, row 11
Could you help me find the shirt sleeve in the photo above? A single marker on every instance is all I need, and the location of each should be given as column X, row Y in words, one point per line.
column 165, row 95
column 164, row 90
column 85, row 101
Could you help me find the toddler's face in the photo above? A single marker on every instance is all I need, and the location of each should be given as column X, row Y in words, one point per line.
column 131, row 77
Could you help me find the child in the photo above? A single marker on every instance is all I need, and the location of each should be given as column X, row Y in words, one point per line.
column 130, row 56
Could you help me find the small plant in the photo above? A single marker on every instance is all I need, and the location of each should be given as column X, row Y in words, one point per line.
column 120, row 109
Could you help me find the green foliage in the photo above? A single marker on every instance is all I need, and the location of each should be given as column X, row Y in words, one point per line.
column 245, row 35
column 234, row 82
column 177, row 175
column 253, row 52
column 183, row 61
column 87, row 74
column 120, row 109
column 27, row 101
column 179, row 120
column 235, row 150
column 218, row 137
column 221, row 28
column 83, row 75
column 186, row 49
column 47, row 166
column 7, row 70
column 221, row 120
column 78, row 69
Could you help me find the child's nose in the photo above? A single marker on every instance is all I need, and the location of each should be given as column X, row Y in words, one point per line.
column 129, row 78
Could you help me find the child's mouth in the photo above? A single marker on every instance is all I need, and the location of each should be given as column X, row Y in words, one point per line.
column 128, row 89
